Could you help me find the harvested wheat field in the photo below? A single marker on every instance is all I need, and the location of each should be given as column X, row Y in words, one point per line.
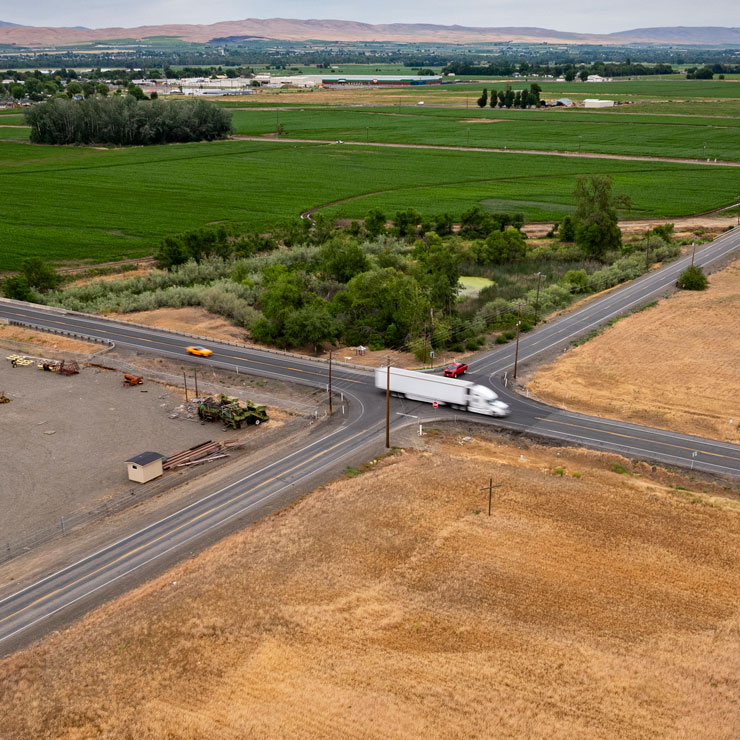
column 675, row 366
column 389, row 605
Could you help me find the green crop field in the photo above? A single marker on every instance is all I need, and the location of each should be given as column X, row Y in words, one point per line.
column 561, row 130
column 638, row 88
column 729, row 108
column 69, row 203
column 13, row 132
column 9, row 118
column 624, row 90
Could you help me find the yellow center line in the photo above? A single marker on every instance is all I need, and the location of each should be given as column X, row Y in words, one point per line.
column 169, row 533
column 641, row 439
column 287, row 367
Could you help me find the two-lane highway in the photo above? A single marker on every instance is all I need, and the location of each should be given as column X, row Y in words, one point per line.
column 142, row 550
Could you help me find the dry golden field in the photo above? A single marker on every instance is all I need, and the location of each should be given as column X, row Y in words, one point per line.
column 389, row 605
column 43, row 339
column 191, row 320
column 674, row 366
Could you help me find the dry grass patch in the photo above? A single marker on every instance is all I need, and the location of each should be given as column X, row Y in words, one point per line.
column 674, row 366
column 387, row 606
column 44, row 340
column 190, row 320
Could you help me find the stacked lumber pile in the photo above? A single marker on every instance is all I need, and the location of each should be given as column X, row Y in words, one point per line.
column 201, row 453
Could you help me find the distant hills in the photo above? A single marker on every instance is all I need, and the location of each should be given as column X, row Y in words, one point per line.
column 335, row 30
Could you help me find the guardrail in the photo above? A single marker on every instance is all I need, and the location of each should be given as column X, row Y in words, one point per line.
column 200, row 337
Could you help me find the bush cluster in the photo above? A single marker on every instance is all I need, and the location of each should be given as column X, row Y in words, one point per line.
column 375, row 284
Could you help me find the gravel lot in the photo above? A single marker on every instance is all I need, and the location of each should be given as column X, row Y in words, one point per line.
column 64, row 440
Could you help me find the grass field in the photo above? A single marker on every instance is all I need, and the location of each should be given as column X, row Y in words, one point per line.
column 471, row 285
column 68, row 203
column 14, row 132
column 561, row 130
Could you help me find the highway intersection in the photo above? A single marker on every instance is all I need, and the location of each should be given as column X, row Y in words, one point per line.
column 27, row 613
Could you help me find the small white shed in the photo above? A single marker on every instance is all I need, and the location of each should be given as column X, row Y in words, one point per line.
column 145, row 467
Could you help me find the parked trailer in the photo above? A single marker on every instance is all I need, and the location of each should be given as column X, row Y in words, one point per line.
column 458, row 394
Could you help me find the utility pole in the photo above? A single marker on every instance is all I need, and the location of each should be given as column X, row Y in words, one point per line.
column 195, row 371
column 537, row 299
column 490, row 488
column 388, row 407
column 518, row 324
column 185, row 379
column 647, row 250
column 331, row 410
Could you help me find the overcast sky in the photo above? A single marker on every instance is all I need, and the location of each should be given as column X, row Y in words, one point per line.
column 593, row 16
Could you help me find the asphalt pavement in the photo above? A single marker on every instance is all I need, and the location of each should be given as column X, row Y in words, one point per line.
column 83, row 585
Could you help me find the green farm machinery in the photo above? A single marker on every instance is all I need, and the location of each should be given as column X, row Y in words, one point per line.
column 231, row 411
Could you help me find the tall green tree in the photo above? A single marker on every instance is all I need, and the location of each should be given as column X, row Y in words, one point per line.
column 383, row 304
column 597, row 229
column 17, row 288
column 483, row 99
column 72, row 89
column 342, row 259
column 406, row 223
column 313, row 324
column 437, row 270
column 39, row 275
column 375, row 223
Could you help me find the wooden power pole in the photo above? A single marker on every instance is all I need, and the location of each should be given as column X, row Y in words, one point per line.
column 388, row 406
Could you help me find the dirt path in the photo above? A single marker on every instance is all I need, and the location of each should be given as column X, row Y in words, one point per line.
column 505, row 150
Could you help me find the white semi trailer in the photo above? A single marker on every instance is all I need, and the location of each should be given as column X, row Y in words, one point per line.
column 458, row 394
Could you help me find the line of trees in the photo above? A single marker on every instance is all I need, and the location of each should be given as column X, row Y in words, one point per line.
column 503, row 67
column 509, row 98
column 126, row 121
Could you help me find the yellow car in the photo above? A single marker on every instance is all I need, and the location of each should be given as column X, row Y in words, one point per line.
column 200, row 351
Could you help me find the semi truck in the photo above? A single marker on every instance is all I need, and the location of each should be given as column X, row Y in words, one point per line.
column 458, row 394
